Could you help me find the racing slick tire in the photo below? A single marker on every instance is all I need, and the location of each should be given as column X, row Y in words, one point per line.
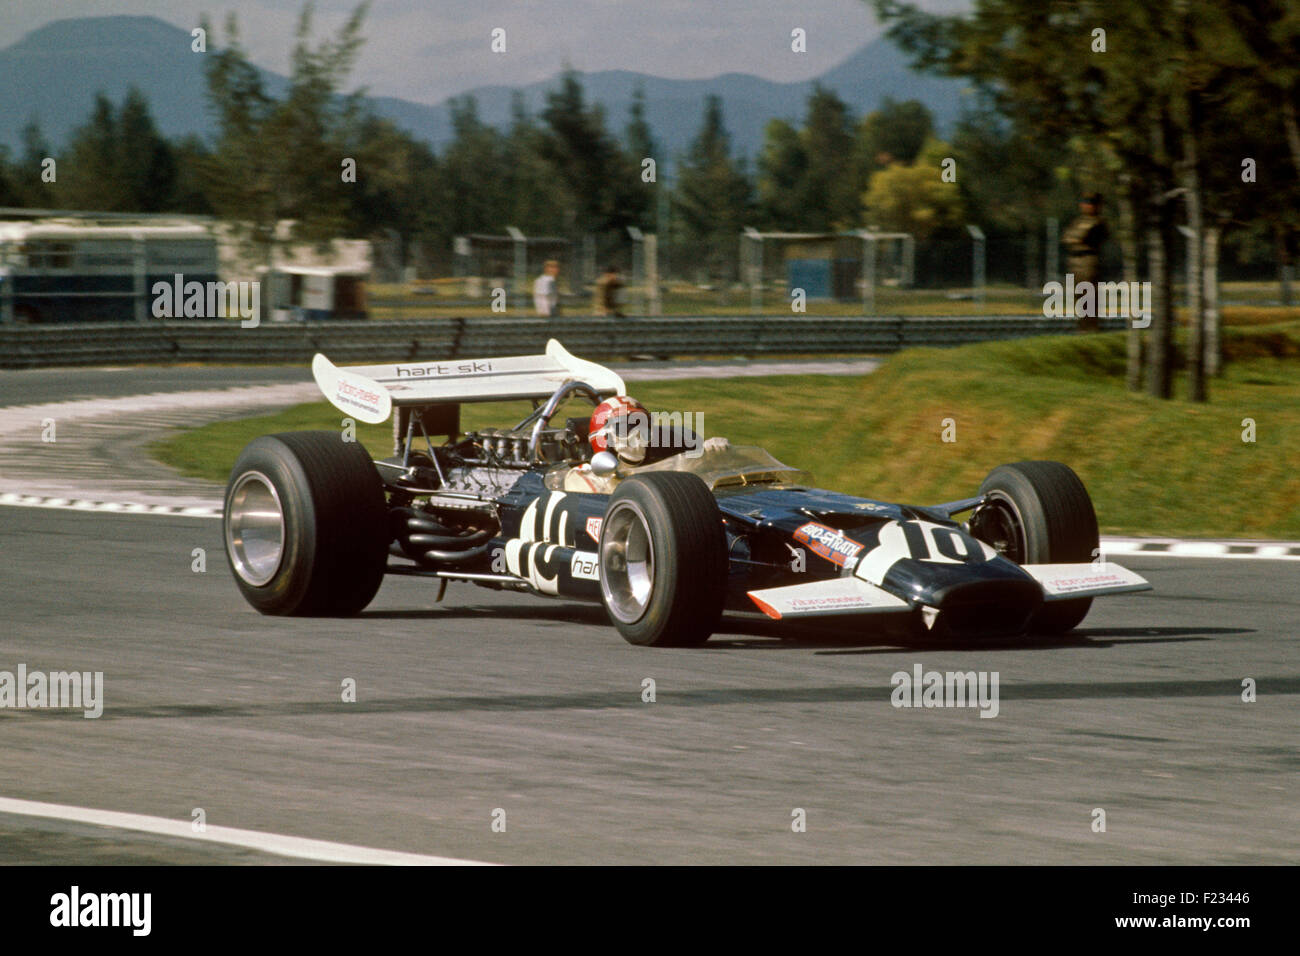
column 663, row 560
column 305, row 524
column 1039, row 512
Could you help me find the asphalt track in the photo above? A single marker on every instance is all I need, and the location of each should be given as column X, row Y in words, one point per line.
column 492, row 701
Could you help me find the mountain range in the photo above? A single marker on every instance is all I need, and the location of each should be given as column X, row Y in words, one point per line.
column 53, row 73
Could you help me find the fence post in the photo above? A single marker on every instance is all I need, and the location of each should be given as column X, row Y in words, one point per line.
column 6, row 298
column 652, row 274
column 1053, row 265
column 978, row 263
column 755, row 259
column 637, row 261
column 140, row 278
column 868, row 272
column 521, row 264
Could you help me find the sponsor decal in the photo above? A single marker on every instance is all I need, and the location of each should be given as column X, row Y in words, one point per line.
column 593, row 528
column 583, row 566
column 819, row 603
column 464, row 368
column 552, row 516
column 920, row 541
column 346, row 393
column 1067, row 585
column 828, row 543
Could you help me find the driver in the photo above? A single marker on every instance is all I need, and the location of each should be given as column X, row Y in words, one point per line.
column 625, row 428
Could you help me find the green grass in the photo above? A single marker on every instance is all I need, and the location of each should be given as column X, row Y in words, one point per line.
column 1152, row 467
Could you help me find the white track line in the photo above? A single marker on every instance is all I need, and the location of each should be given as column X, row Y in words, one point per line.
column 299, row 848
column 15, row 500
column 1182, row 548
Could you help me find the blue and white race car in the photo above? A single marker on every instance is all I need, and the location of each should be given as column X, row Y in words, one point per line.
column 614, row 505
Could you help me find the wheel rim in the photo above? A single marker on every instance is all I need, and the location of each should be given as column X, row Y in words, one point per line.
column 255, row 528
column 999, row 525
column 627, row 562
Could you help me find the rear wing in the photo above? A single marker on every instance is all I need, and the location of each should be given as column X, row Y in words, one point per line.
column 370, row 392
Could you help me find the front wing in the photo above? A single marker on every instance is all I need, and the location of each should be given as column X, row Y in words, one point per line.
column 852, row 595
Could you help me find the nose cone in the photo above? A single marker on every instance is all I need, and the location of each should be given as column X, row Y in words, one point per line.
column 976, row 599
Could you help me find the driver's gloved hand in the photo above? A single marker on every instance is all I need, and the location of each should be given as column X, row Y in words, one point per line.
column 716, row 443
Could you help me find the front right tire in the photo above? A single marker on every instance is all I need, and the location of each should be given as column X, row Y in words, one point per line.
column 1039, row 512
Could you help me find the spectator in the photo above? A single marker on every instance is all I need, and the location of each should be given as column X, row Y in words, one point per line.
column 1083, row 241
column 607, row 287
column 546, row 293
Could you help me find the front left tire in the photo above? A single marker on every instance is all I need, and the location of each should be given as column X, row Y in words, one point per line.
column 305, row 525
column 663, row 560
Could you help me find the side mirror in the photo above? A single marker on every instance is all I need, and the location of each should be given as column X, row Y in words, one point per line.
column 603, row 463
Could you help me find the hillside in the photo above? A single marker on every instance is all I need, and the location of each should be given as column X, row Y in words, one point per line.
column 54, row 72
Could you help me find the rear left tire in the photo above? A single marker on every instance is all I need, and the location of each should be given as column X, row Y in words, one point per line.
column 305, row 525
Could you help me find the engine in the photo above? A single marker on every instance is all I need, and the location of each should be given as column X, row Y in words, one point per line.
column 442, row 513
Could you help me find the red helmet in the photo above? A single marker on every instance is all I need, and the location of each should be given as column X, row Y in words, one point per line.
column 620, row 425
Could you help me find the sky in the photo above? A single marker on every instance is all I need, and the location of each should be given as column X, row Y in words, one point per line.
column 683, row 39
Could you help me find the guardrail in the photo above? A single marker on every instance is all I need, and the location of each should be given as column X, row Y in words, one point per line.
column 417, row 339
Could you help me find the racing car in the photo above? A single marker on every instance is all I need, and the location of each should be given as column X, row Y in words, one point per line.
column 666, row 534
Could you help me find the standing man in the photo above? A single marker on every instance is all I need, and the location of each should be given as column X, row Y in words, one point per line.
column 546, row 293
column 1083, row 241
column 607, row 287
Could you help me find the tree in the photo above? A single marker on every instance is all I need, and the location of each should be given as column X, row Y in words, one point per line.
column 597, row 176
column 894, row 133
column 476, row 170
column 832, row 186
column 89, row 168
column 1268, row 32
column 118, row 161
column 808, row 178
column 714, row 196
column 782, row 178
column 641, row 145
column 10, row 195
column 146, row 163
column 914, row 198
column 1122, row 101
column 284, row 159
column 192, row 157
column 1019, row 181
column 397, row 195
column 33, row 191
column 531, row 183
column 638, row 135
